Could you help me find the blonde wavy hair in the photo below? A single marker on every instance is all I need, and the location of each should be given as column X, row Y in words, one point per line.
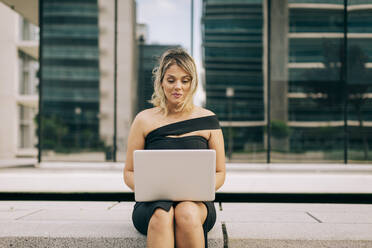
column 175, row 56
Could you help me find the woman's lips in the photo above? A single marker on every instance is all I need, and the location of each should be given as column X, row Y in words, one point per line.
column 176, row 95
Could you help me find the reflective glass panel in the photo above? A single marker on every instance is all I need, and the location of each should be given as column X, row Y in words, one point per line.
column 233, row 55
column 306, row 81
column 72, row 119
column 359, row 81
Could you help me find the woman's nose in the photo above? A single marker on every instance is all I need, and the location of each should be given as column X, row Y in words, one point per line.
column 178, row 84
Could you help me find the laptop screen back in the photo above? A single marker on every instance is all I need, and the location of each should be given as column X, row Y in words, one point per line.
column 176, row 175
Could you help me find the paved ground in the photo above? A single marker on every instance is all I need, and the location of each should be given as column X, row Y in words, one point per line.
column 108, row 224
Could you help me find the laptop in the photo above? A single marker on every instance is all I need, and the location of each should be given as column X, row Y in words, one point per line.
column 175, row 175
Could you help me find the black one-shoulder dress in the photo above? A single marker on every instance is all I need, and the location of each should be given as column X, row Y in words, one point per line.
column 158, row 139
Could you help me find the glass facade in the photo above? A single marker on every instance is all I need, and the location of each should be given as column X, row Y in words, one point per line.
column 70, row 77
column 313, row 84
column 328, row 74
column 359, row 80
column 290, row 80
column 233, row 59
column 315, row 109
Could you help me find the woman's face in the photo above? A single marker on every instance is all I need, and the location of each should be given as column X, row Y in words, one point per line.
column 176, row 85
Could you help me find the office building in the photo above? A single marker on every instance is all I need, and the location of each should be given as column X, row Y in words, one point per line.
column 233, row 59
column 77, row 76
column 309, row 84
column 70, row 74
column 318, row 84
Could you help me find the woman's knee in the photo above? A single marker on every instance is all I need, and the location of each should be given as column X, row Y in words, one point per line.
column 187, row 216
column 161, row 220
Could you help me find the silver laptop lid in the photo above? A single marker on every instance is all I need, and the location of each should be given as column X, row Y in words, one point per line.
column 176, row 175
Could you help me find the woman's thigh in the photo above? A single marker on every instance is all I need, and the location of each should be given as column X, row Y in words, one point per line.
column 144, row 210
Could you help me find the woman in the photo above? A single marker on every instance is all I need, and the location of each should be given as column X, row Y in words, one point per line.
column 175, row 123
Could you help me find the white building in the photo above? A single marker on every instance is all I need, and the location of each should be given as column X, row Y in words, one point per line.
column 18, row 84
column 126, row 74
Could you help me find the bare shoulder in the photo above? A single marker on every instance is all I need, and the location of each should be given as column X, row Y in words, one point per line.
column 144, row 117
column 201, row 112
column 148, row 119
column 149, row 114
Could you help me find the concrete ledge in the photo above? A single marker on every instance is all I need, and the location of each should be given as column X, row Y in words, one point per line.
column 75, row 225
column 298, row 225
column 93, row 242
column 298, row 243
column 77, row 235
column 108, row 224
column 298, row 235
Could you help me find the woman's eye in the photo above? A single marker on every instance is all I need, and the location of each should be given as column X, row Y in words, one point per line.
column 170, row 80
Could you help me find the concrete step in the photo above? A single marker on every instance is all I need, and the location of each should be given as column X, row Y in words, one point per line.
column 297, row 225
column 108, row 224
column 82, row 234
column 75, row 225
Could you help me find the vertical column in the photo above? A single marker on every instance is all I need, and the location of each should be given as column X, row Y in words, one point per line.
column 127, row 73
column 279, row 73
column 106, row 85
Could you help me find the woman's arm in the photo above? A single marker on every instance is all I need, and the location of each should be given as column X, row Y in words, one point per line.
column 136, row 141
column 216, row 142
